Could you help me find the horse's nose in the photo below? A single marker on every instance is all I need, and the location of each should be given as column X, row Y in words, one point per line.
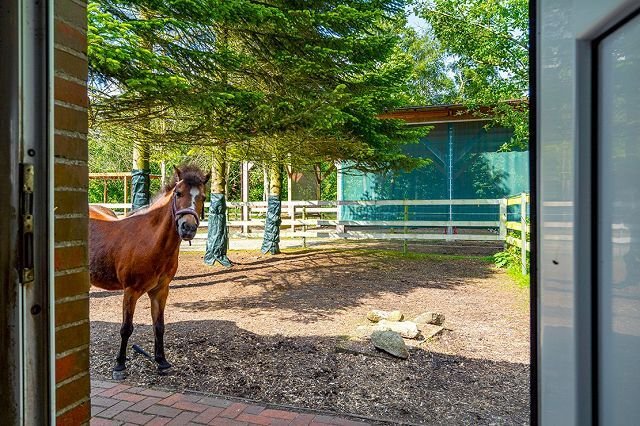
column 189, row 228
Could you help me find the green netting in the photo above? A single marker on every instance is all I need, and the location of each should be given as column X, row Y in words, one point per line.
column 217, row 233
column 140, row 182
column 465, row 164
column 271, row 239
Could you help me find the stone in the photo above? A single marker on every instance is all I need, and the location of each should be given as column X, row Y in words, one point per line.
column 390, row 342
column 406, row 329
column 363, row 331
column 430, row 318
column 377, row 315
column 430, row 331
column 359, row 348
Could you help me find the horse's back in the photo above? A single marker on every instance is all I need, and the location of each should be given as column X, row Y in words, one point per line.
column 101, row 212
column 102, row 267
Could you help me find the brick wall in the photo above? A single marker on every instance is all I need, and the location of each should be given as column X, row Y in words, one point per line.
column 71, row 182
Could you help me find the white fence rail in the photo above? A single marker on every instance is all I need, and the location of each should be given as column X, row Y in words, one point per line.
column 323, row 219
column 522, row 226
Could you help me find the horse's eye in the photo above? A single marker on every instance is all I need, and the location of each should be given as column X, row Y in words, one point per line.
column 178, row 194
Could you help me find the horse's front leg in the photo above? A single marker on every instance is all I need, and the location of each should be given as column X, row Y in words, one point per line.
column 128, row 308
column 158, row 298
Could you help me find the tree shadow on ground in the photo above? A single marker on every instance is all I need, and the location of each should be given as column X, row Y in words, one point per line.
column 220, row 358
column 316, row 285
column 260, row 263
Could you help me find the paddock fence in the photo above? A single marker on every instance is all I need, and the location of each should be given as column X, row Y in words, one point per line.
column 518, row 228
column 403, row 220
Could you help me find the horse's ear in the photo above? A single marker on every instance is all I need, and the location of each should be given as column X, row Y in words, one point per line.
column 178, row 172
column 206, row 178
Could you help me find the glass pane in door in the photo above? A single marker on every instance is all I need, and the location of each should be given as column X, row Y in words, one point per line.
column 619, row 225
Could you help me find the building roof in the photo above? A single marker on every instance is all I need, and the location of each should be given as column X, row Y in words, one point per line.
column 433, row 114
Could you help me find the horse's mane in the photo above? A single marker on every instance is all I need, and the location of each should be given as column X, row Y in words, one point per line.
column 191, row 174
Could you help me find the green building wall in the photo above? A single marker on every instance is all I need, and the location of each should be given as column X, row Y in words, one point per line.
column 465, row 163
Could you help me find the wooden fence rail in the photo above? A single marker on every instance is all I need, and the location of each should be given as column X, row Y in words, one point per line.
column 522, row 227
column 323, row 219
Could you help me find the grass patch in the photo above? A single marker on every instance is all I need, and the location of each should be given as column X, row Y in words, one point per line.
column 379, row 253
column 516, row 275
column 436, row 257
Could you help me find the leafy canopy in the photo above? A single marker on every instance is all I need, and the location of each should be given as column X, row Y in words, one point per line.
column 271, row 80
column 487, row 42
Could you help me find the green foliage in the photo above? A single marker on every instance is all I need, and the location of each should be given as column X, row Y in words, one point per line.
column 430, row 81
column 520, row 279
column 278, row 81
column 506, row 258
column 510, row 260
column 487, row 43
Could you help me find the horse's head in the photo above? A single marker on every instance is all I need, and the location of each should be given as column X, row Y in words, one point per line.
column 188, row 200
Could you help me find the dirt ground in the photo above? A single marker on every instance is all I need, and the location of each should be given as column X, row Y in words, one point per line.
column 268, row 328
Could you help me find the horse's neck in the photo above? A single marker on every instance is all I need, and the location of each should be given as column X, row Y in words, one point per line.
column 160, row 215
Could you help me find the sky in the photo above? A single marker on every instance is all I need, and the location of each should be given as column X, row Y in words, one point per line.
column 415, row 21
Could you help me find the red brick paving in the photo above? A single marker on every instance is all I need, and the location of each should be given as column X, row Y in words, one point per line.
column 159, row 421
column 208, row 415
column 128, row 396
column 117, row 404
column 144, row 404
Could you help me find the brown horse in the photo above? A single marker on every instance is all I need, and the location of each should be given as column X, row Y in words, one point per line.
column 139, row 253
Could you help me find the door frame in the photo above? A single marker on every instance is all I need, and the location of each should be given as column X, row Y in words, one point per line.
column 27, row 308
column 587, row 22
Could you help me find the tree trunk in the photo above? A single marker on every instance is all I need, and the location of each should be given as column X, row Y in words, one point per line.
column 271, row 240
column 140, row 180
column 318, row 175
column 275, row 180
column 218, row 170
column 217, row 233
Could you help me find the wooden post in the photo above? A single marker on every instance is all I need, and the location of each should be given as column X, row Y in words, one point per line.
column 450, row 176
column 304, row 226
column 124, row 182
column 503, row 220
column 245, row 196
column 406, row 219
column 104, row 192
column 292, row 208
column 339, row 197
column 523, row 232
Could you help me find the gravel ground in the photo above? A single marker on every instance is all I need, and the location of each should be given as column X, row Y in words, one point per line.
column 267, row 329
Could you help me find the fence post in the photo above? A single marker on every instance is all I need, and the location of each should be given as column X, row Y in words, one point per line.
column 339, row 228
column 292, row 216
column 124, row 182
column 245, row 196
column 304, row 226
column 503, row 220
column 523, row 232
column 406, row 218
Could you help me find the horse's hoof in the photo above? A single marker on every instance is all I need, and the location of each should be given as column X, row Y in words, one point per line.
column 165, row 371
column 164, row 368
column 119, row 374
column 163, row 364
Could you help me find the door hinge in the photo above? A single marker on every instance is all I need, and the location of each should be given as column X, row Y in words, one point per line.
column 27, row 261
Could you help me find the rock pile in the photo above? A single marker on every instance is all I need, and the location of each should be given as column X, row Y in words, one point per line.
column 389, row 330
